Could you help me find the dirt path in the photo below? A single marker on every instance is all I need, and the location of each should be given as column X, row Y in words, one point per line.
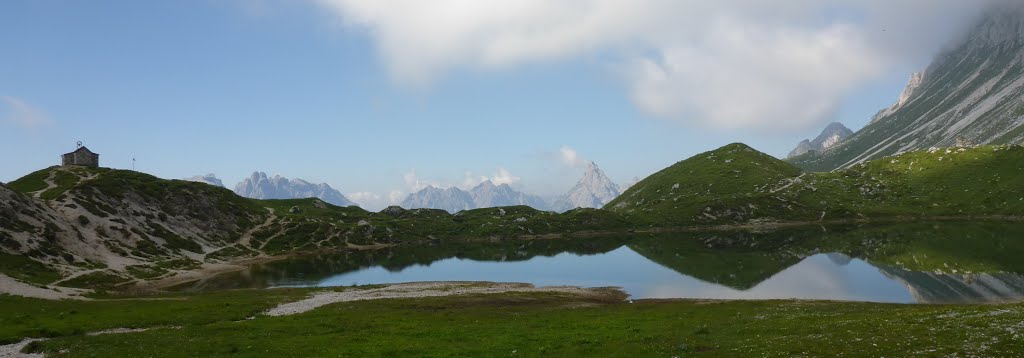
column 50, row 184
column 75, row 275
column 429, row 289
column 246, row 239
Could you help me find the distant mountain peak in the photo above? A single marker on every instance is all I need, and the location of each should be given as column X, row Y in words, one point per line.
column 593, row 190
column 207, row 179
column 833, row 134
column 259, row 186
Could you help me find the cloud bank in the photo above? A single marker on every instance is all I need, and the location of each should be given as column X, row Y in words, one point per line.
column 727, row 63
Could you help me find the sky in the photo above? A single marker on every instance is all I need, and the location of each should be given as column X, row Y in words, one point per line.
column 379, row 98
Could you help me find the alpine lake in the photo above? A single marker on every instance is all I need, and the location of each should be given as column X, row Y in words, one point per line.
column 927, row 262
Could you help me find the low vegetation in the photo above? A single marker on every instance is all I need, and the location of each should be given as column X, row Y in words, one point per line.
column 511, row 324
column 737, row 185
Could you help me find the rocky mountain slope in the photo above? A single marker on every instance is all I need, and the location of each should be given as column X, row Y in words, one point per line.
column 92, row 227
column 208, row 179
column 259, row 186
column 833, row 134
column 484, row 195
column 972, row 93
column 593, row 190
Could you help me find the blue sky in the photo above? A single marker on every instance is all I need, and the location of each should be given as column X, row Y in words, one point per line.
column 328, row 91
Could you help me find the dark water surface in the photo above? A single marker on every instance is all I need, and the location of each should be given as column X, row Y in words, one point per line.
column 949, row 262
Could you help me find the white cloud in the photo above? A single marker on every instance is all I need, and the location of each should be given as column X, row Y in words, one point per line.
column 570, row 157
column 503, row 176
column 395, row 197
column 725, row 63
column 414, row 183
column 366, row 200
column 20, row 113
column 375, row 202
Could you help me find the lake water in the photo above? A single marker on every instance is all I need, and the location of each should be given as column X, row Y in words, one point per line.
column 924, row 263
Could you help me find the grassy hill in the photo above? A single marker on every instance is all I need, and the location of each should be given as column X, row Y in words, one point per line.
column 735, row 184
column 105, row 228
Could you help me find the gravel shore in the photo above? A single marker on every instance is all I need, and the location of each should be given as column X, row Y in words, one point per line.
column 425, row 289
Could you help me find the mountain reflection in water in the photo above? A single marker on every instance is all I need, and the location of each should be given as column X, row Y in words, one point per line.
column 910, row 263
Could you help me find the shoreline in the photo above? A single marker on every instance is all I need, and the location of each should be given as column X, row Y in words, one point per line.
column 210, row 270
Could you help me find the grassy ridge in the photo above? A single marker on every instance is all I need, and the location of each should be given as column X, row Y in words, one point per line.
column 733, row 185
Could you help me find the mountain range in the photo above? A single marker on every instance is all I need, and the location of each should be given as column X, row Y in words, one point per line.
column 484, row 195
column 260, row 186
column 971, row 94
column 593, row 190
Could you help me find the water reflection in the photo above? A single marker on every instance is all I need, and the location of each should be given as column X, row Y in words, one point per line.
column 924, row 263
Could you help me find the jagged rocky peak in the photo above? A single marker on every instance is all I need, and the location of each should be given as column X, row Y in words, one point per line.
column 207, row 179
column 260, row 186
column 833, row 134
column 593, row 190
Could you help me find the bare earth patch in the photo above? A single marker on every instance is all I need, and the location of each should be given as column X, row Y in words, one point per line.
column 11, row 286
column 430, row 289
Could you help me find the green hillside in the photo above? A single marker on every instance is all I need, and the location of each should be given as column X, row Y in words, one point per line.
column 735, row 185
column 694, row 190
column 106, row 228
